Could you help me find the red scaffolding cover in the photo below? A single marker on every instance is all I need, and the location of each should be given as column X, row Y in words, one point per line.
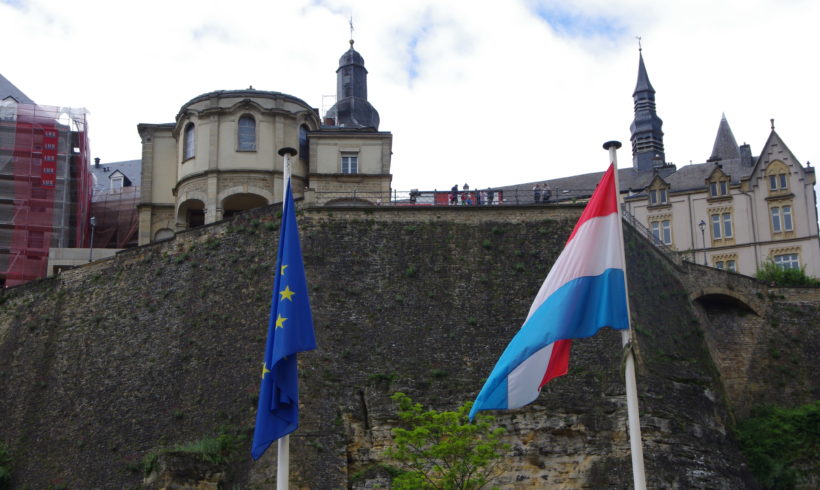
column 45, row 187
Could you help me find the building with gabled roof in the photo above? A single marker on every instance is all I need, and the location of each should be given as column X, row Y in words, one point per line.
column 734, row 211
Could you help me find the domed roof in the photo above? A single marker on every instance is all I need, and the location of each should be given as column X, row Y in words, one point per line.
column 355, row 112
column 351, row 57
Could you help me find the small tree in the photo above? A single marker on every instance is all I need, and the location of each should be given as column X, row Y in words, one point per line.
column 443, row 450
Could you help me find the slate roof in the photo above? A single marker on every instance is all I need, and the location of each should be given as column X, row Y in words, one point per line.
column 643, row 78
column 131, row 169
column 725, row 147
column 735, row 161
column 8, row 89
column 582, row 186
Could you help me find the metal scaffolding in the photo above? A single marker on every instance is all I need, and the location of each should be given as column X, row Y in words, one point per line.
column 45, row 187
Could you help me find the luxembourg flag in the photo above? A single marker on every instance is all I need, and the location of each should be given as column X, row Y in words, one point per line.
column 584, row 292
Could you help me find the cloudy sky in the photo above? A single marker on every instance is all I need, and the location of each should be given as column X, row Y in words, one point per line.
column 488, row 93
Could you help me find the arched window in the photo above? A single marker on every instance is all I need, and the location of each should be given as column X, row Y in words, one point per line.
column 189, row 142
column 246, row 134
column 303, row 143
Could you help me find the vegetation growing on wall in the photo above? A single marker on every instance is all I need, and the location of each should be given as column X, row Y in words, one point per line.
column 443, row 450
column 783, row 445
column 5, row 467
column 774, row 274
column 219, row 450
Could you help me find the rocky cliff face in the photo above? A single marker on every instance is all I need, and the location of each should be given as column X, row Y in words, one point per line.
column 162, row 345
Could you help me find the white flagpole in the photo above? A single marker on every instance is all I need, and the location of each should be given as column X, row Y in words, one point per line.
column 283, row 443
column 633, row 416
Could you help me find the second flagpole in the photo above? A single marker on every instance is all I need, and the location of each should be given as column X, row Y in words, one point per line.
column 633, row 415
column 283, row 443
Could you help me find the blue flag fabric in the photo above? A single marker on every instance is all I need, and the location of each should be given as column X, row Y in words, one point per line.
column 290, row 330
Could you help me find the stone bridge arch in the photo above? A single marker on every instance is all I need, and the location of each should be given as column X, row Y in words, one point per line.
column 726, row 297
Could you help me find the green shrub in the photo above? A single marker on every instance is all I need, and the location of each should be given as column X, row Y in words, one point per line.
column 443, row 449
column 774, row 274
column 782, row 446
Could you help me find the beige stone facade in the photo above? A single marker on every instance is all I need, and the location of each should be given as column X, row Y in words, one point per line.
column 221, row 157
column 738, row 216
column 224, row 154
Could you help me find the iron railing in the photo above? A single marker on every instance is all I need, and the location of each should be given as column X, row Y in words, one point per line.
column 471, row 197
column 673, row 255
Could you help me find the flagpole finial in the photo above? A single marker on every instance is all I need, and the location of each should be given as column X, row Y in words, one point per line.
column 612, row 144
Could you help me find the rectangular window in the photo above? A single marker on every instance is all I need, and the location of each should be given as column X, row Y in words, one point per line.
column 350, row 164
column 719, row 264
column 724, row 188
column 776, row 220
column 783, row 181
column 667, row 231
column 727, row 225
column 716, row 227
column 713, row 189
column 656, row 230
column 663, row 196
column 731, row 265
column 772, row 182
column 787, row 261
column 787, row 218
column 653, row 197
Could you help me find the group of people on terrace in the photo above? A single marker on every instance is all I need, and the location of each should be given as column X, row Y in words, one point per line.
column 541, row 193
column 466, row 197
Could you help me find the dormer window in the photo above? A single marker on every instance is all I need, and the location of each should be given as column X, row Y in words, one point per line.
column 658, row 196
column 719, row 189
column 117, row 183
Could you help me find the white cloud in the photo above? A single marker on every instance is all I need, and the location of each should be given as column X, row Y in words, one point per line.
column 486, row 93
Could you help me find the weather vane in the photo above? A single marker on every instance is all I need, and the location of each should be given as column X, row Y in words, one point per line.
column 351, row 29
column 640, row 49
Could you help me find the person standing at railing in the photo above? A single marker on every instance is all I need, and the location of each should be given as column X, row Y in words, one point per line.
column 546, row 194
column 454, row 195
column 536, row 193
column 490, row 196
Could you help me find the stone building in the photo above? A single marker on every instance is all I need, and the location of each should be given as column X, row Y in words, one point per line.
column 221, row 155
column 734, row 211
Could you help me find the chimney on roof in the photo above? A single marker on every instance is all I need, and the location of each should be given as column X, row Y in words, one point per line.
column 746, row 155
column 97, row 162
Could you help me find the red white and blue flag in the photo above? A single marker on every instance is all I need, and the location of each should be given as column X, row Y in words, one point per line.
column 584, row 292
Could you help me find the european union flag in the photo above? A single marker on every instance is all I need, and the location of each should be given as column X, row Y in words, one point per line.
column 290, row 330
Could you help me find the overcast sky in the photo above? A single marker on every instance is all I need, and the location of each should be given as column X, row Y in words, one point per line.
column 487, row 93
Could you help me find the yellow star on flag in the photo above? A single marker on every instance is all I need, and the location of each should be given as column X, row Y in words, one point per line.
column 265, row 370
column 287, row 294
column 280, row 321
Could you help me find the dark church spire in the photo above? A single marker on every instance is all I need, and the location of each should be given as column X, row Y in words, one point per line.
column 647, row 136
column 352, row 110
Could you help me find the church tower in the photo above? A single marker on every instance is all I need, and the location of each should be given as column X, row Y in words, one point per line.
column 352, row 110
column 647, row 135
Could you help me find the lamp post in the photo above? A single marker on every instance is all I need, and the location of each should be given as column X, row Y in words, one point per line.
column 93, row 221
column 702, row 226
